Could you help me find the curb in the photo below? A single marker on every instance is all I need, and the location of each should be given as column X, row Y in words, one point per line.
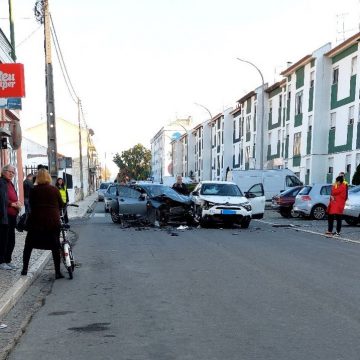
column 11, row 297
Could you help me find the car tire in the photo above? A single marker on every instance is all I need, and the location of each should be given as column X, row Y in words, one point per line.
column 318, row 212
column 115, row 217
column 351, row 221
column 286, row 213
column 294, row 214
column 245, row 223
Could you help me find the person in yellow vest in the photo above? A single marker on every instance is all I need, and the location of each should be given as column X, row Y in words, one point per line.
column 64, row 196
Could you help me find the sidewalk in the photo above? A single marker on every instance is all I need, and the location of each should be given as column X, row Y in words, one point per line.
column 12, row 284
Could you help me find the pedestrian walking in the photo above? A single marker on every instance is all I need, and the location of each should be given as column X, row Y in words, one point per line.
column 180, row 187
column 10, row 206
column 43, row 221
column 336, row 206
column 60, row 184
column 28, row 184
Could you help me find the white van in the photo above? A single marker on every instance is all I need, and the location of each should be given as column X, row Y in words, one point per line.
column 274, row 181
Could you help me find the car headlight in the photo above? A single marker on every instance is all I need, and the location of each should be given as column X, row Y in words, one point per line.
column 246, row 206
column 207, row 205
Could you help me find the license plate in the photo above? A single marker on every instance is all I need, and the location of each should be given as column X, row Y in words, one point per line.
column 228, row 212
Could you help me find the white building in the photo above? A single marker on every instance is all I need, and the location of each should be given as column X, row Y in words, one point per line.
column 308, row 122
column 162, row 150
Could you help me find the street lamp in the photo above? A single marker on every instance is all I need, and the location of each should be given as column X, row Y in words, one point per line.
column 211, row 135
column 262, row 112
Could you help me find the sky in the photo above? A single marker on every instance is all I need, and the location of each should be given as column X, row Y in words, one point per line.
column 137, row 65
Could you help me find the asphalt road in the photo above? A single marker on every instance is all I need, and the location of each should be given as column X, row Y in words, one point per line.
column 261, row 293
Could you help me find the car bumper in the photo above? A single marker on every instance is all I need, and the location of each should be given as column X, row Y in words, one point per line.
column 222, row 214
column 352, row 211
column 303, row 209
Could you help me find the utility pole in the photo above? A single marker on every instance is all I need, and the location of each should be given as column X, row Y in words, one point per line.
column 43, row 16
column 80, row 154
column 12, row 31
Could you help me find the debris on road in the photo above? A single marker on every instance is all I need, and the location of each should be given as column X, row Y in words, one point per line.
column 182, row 227
column 3, row 326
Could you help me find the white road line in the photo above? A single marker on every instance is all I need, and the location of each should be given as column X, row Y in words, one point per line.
column 312, row 232
column 99, row 215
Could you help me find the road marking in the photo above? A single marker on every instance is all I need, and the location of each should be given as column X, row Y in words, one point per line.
column 312, row 232
column 99, row 215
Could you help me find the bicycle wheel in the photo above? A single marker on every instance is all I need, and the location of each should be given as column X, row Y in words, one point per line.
column 67, row 257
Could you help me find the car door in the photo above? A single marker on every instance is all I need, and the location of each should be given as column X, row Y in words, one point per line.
column 110, row 193
column 131, row 201
column 256, row 197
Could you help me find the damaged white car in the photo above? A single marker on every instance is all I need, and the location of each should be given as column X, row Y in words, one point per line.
column 223, row 201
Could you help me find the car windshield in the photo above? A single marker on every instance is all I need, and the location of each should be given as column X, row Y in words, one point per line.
column 104, row 186
column 290, row 192
column 156, row 190
column 220, row 190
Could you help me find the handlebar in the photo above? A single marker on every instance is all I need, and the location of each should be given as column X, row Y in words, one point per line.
column 74, row 205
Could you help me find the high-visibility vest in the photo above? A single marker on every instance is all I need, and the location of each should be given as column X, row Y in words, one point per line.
column 63, row 194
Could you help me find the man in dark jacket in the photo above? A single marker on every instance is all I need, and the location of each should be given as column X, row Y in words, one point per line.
column 28, row 185
column 180, row 187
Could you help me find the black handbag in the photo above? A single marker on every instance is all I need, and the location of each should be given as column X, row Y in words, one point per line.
column 21, row 222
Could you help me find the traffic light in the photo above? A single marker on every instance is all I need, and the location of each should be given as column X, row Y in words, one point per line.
column 4, row 143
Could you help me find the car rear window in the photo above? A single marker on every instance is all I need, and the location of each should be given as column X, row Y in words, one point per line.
column 104, row 185
column 305, row 190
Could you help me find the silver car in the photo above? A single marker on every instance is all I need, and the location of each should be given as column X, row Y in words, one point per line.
column 102, row 189
column 313, row 200
column 352, row 206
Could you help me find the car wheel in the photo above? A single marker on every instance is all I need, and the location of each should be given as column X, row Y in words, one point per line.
column 115, row 217
column 318, row 212
column 351, row 221
column 286, row 213
column 245, row 223
column 294, row 214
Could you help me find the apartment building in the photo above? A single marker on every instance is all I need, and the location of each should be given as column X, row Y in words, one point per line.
column 309, row 122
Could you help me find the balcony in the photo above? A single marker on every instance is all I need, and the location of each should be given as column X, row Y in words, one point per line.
column 5, row 49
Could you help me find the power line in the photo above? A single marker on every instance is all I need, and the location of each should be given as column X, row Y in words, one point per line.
column 62, row 63
column 29, row 36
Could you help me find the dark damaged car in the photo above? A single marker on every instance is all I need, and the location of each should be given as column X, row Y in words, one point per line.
column 152, row 204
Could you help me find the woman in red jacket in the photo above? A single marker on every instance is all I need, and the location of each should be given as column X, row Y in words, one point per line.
column 336, row 205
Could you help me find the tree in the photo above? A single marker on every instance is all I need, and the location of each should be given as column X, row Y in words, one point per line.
column 134, row 163
column 356, row 177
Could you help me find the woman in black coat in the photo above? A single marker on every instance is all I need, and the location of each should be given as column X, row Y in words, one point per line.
column 44, row 221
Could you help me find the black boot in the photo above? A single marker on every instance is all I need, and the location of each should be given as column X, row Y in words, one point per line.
column 59, row 275
column 23, row 272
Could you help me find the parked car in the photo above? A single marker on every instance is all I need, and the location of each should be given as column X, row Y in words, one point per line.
column 352, row 206
column 151, row 204
column 283, row 202
column 102, row 189
column 312, row 201
column 223, row 201
column 110, row 194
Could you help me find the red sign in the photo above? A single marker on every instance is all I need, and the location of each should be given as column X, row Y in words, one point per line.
column 12, row 82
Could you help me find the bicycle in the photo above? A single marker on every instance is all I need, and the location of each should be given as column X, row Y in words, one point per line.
column 65, row 244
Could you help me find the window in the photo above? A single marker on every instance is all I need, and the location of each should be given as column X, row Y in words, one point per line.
column 279, row 135
column 248, row 124
column 325, row 190
column 247, row 154
column 297, row 144
column 269, row 138
column 331, row 165
column 280, row 101
column 312, row 75
column 335, row 75
column 298, row 103
column 332, row 120
column 270, row 106
column 351, row 115
column 309, row 123
column 289, row 93
column 354, row 65
column 348, row 164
